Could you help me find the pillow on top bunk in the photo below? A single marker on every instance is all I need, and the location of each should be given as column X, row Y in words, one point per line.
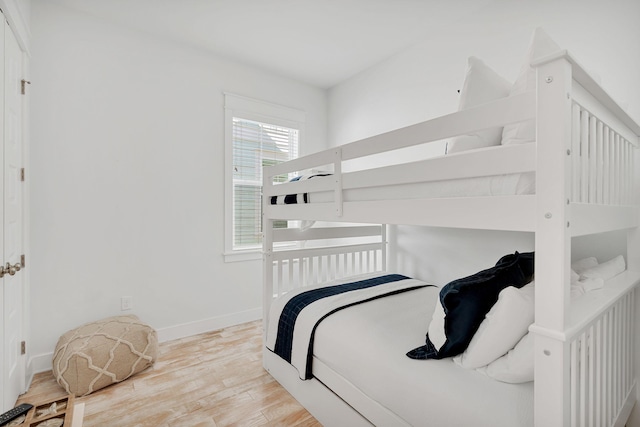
column 505, row 324
column 481, row 85
column 466, row 301
column 540, row 45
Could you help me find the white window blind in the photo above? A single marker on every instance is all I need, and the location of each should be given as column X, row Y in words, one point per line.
column 255, row 145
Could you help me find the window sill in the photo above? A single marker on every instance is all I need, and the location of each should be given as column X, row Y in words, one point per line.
column 246, row 255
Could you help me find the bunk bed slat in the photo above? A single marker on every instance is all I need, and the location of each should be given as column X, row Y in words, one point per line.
column 575, row 149
column 593, row 172
column 584, row 156
column 599, row 163
column 606, row 174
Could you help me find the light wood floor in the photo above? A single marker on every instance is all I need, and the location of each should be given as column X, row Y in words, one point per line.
column 213, row 379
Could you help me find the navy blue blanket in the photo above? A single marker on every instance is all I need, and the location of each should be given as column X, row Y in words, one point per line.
column 291, row 199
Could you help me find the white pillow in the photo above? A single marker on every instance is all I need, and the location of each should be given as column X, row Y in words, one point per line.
column 584, row 264
column 504, row 325
column 606, row 270
column 481, row 85
column 436, row 327
column 540, row 45
column 516, row 366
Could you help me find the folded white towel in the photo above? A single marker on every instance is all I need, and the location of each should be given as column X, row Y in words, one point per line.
column 591, row 284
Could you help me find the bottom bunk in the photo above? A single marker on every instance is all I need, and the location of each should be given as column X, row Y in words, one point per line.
column 359, row 353
column 361, row 375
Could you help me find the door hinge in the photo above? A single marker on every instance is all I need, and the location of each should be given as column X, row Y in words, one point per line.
column 23, row 347
column 22, row 174
column 23, row 86
column 23, row 260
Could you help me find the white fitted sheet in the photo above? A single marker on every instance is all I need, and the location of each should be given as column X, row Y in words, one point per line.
column 365, row 345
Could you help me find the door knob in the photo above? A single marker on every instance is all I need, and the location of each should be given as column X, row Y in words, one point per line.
column 11, row 269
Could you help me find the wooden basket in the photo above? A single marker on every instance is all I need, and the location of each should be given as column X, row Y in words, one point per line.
column 64, row 412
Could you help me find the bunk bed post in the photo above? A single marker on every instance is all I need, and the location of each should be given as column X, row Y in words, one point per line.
column 337, row 176
column 553, row 243
column 633, row 236
column 267, row 267
column 392, row 247
column 384, row 247
column 633, row 264
column 267, row 251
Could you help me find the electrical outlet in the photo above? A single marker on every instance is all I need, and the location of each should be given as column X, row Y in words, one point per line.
column 126, row 303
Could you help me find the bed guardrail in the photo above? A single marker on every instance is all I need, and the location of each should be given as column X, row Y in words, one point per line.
column 297, row 258
column 602, row 161
column 602, row 374
column 307, row 267
column 496, row 113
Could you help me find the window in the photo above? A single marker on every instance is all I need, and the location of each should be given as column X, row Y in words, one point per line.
column 256, row 145
column 257, row 134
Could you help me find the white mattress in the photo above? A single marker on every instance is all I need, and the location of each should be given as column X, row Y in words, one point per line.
column 365, row 346
column 497, row 185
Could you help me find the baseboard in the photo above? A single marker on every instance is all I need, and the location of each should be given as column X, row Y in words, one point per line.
column 39, row 363
column 42, row 362
column 207, row 325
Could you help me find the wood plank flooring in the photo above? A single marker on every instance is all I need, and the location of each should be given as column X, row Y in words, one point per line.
column 214, row 379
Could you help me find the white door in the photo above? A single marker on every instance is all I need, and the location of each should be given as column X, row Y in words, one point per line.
column 14, row 361
column 3, row 381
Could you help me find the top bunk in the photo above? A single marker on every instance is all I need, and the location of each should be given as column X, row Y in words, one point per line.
column 578, row 165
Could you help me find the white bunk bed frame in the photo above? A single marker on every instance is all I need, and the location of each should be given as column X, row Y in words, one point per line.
column 586, row 150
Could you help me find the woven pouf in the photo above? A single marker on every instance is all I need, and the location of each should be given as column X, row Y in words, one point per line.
column 102, row 353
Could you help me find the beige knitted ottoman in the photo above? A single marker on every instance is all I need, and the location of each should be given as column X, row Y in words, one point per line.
column 102, row 353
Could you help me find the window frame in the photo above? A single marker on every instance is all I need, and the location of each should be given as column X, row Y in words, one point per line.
column 260, row 111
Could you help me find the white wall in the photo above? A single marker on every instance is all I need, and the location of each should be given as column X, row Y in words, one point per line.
column 18, row 15
column 127, row 149
column 422, row 83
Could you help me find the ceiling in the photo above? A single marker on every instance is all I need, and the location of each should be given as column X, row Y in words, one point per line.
column 320, row 42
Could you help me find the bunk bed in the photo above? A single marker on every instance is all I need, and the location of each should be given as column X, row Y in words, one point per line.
column 585, row 352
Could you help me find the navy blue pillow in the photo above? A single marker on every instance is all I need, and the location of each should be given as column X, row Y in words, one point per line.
column 466, row 301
